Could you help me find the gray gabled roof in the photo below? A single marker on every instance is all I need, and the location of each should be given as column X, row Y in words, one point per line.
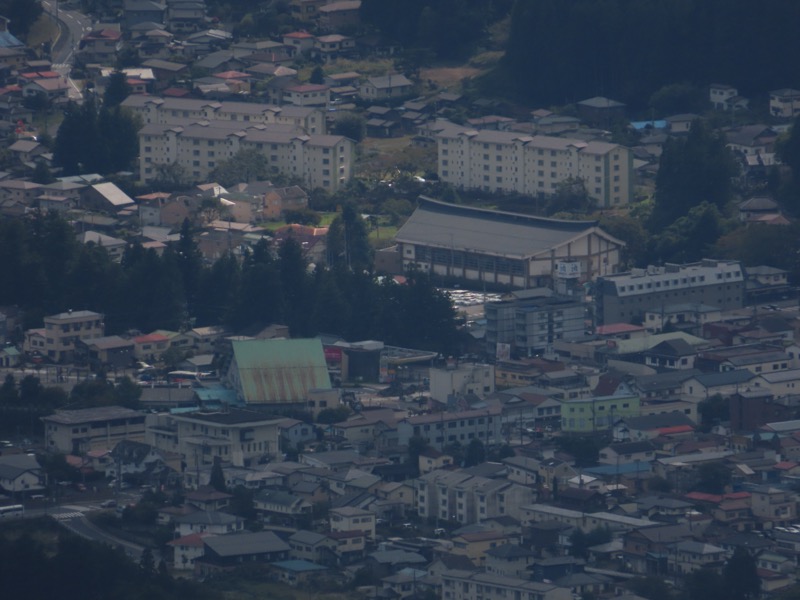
column 246, row 543
column 14, row 465
column 209, row 517
column 725, row 378
column 484, row 231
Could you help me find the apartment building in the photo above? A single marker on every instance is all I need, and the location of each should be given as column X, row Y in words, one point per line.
column 440, row 429
column 528, row 325
column 471, row 585
column 625, row 296
column 598, row 413
column 461, row 380
column 62, row 330
column 101, row 428
column 459, row 496
column 239, row 437
column 504, row 161
column 321, row 161
column 179, row 111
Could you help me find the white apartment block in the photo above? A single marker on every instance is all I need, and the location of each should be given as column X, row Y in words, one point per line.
column 471, row 585
column 238, row 437
column 457, row 496
column 321, row 161
column 504, row 161
column 180, row 111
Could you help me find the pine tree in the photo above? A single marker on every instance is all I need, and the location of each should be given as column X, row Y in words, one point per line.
column 217, row 480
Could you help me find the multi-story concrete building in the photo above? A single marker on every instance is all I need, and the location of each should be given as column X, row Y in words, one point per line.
column 504, row 161
column 461, row 380
column 180, row 111
column 324, row 161
column 625, row 296
column 239, row 437
column 529, row 324
column 459, row 496
column 598, row 413
column 63, row 329
column 78, row 431
column 440, row 429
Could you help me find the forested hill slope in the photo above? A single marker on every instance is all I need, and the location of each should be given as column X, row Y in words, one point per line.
column 561, row 51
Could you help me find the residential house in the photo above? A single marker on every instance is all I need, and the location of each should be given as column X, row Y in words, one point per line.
column 280, row 506
column 301, row 42
column 336, row 15
column 208, row 522
column 307, row 94
column 476, row 545
column 21, row 475
column 721, row 96
column 647, row 549
column 142, row 11
column 773, row 506
column 386, row 86
column 312, row 546
column 225, row 552
column 186, row 550
column 689, row 556
column 332, row 46
column 509, row 560
column 348, row 519
column 100, row 46
column 186, row 16
column 784, row 103
column 626, row 452
column 600, row 111
column 106, row 197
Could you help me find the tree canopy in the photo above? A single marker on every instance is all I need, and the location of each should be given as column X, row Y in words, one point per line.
column 45, row 270
column 449, row 27
column 96, row 139
column 629, row 49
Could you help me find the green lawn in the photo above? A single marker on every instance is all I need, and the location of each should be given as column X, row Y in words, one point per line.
column 44, row 30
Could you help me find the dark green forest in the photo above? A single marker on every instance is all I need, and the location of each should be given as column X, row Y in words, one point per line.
column 450, row 28
column 45, row 270
column 73, row 568
column 563, row 51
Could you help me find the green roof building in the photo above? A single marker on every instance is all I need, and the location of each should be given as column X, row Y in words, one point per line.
column 278, row 371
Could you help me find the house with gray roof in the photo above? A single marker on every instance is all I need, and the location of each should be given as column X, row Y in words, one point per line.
column 225, row 552
column 277, row 503
column 394, row 85
column 208, row 521
column 20, row 475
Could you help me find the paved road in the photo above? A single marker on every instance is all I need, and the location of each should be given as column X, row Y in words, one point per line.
column 72, row 516
column 73, row 25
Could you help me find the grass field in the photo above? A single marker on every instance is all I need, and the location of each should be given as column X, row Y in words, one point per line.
column 257, row 590
column 44, row 30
